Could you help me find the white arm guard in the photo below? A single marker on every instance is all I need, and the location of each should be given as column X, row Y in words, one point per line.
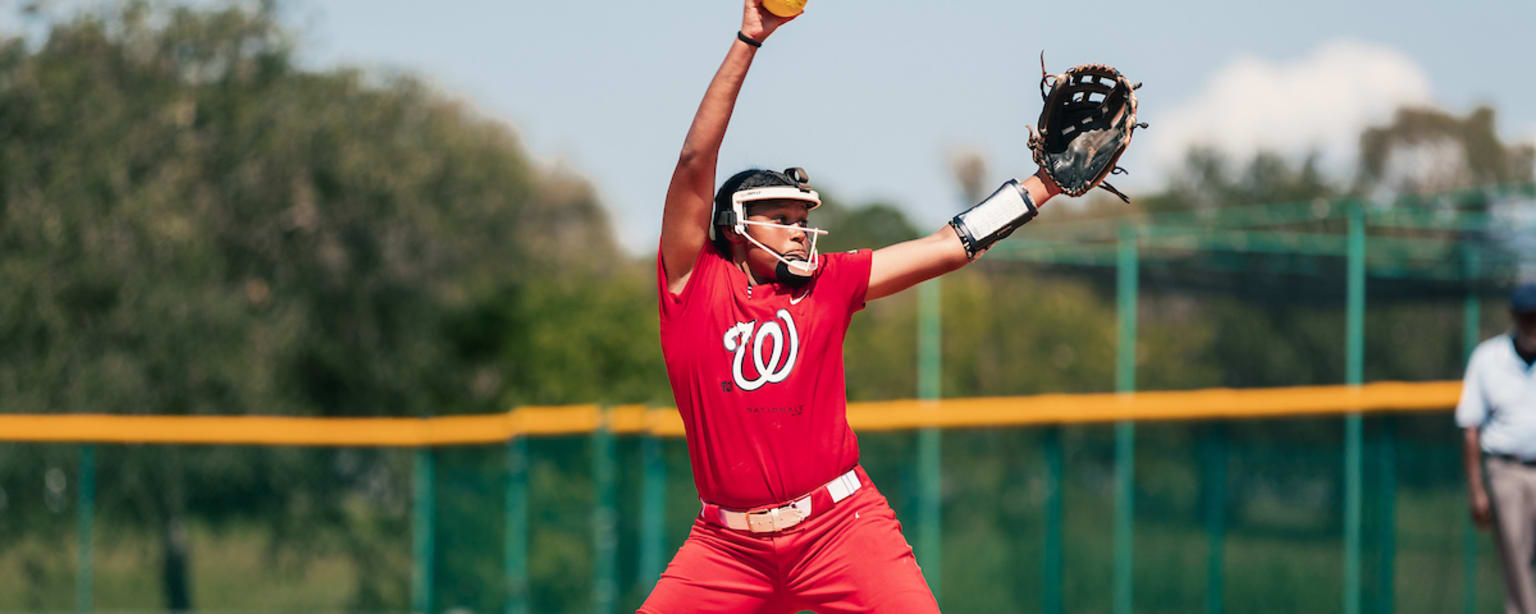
column 994, row 218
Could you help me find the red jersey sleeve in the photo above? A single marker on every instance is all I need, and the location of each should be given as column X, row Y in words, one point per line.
column 705, row 267
column 846, row 276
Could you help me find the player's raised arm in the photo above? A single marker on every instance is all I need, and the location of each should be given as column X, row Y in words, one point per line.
column 903, row 265
column 1086, row 123
column 685, row 221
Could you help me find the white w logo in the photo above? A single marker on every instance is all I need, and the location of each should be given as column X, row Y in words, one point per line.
column 777, row 368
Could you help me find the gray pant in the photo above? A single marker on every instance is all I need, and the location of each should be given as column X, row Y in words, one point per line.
column 1512, row 488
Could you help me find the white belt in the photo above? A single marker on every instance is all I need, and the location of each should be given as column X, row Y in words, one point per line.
column 791, row 514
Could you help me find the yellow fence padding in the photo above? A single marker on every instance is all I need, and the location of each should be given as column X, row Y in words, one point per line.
column 1214, row 403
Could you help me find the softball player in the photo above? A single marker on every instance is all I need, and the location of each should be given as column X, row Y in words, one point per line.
column 752, row 324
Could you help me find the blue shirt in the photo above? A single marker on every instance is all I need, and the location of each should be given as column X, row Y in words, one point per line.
column 1498, row 394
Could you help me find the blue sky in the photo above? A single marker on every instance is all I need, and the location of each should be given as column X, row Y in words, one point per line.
column 873, row 98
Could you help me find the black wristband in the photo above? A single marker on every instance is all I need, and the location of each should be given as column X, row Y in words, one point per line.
column 747, row 40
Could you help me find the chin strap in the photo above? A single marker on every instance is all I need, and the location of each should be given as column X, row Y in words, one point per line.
column 791, row 276
column 791, row 272
column 993, row 219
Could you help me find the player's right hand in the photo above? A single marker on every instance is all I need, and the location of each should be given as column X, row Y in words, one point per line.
column 1481, row 508
column 757, row 23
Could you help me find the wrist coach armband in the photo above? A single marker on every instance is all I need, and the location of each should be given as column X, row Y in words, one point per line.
column 994, row 218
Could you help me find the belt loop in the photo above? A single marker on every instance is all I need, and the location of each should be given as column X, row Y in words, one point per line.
column 842, row 486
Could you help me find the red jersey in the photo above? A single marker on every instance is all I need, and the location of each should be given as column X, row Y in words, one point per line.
column 758, row 376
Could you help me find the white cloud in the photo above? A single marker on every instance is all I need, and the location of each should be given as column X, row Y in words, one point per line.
column 1319, row 102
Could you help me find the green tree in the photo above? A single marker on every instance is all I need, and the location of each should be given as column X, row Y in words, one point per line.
column 190, row 223
column 1430, row 150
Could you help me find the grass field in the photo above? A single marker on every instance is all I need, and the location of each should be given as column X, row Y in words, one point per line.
column 233, row 569
column 1264, row 571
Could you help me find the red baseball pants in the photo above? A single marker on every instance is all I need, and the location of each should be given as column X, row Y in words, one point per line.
column 848, row 558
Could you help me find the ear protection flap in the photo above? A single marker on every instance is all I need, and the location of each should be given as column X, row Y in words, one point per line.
column 726, row 217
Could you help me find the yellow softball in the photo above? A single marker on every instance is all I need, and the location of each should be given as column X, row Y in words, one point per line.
column 784, row 8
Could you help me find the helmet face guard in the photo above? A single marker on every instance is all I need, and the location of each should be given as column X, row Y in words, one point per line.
column 736, row 218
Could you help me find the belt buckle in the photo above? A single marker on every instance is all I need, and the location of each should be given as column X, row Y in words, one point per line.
column 776, row 519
